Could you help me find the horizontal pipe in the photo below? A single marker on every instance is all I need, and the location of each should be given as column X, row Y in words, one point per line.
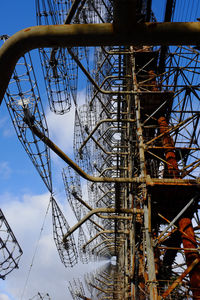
column 104, row 232
column 97, row 126
column 91, row 35
column 90, row 208
column 148, row 180
column 99, row 210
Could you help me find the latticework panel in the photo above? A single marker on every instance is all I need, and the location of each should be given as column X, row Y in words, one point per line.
column 25, row 107
column 66, row 249
column 10, row 251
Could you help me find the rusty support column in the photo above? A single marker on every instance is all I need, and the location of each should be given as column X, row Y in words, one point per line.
column 185, row 224
column 170, row 155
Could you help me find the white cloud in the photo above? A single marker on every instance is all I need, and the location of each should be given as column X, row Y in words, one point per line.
column 4, row 297
column 61, row 127
column 25, row 217
column 48, row 275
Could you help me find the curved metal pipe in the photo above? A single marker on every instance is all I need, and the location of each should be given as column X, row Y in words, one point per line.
column 100, row 210
column 91, row 35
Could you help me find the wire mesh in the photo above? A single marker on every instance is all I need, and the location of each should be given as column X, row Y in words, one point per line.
column 10, row 250
column 73, row 190
column 25, row 108
column 76, row 289
column 67, row 250
column 59, row 69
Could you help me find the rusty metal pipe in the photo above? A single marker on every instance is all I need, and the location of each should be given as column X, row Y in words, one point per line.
column 170, row 155
column 91, row 35
column 99, row 210
column 72, row 164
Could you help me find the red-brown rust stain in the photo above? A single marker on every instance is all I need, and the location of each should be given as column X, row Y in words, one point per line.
column 27, row 29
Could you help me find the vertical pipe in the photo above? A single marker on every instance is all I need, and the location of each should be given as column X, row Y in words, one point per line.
column 170, row 155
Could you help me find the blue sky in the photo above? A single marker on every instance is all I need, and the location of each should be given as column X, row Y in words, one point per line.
column 15, row 15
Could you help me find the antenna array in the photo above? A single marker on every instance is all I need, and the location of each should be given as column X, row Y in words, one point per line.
column 136, row 141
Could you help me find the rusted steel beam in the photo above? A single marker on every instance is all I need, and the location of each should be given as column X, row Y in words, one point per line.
column 184, row 223
column 169, row 10
column 72, row 164
column 171, row 182
column 170, row 155
column 73, row 10
column 180, row 278
column 175, row 219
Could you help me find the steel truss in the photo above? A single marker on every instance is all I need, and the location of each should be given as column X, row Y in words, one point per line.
column 136, row 141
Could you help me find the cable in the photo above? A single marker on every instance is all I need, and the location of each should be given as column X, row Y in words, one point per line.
column 36, row 248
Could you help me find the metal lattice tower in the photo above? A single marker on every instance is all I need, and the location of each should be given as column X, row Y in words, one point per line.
column 136, row 141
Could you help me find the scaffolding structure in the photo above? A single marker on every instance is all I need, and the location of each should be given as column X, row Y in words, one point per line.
column 133, row 183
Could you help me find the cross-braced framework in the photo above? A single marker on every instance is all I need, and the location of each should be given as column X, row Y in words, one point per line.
column 10, row 250
column 136, row 141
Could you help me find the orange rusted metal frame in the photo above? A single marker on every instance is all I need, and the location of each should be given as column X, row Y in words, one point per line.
column 185, row 224
column 180, row 278
column 169, row 154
